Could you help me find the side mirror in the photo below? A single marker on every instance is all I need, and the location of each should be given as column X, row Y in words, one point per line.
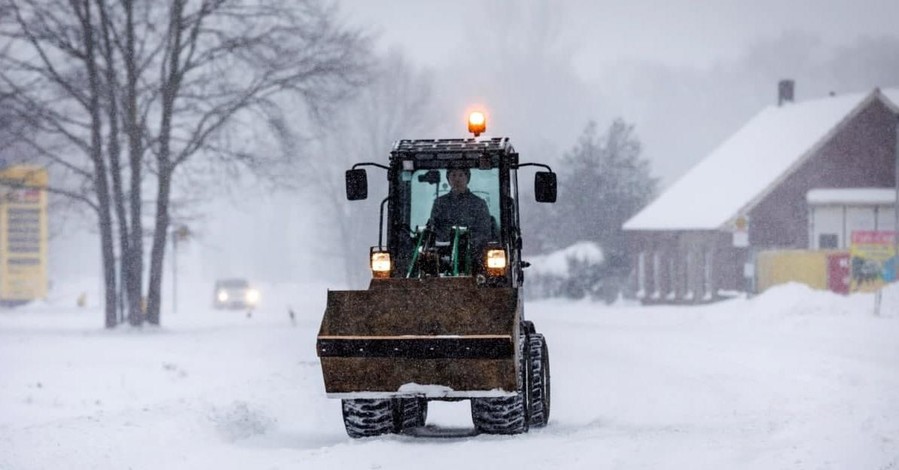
column 356, row 184
column 545, row 186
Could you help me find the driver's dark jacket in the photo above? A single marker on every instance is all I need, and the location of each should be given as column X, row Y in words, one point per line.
column 464, row 210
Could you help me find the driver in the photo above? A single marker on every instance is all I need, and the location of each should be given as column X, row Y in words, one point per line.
column 460, row 207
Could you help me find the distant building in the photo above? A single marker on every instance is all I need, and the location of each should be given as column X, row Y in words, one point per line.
column 796, row 176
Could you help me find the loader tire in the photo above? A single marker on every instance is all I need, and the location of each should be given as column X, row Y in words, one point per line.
column 540, row 384
column 411, row 413
column 505, row 415
column 501, row 415
column 364, row 418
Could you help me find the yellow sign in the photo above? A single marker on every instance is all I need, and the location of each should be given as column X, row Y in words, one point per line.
column 23, row 233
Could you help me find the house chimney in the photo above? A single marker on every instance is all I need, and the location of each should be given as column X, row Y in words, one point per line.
column 785, row 92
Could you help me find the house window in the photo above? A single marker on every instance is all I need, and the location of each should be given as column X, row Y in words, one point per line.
column 828, row 241
column 827, row 220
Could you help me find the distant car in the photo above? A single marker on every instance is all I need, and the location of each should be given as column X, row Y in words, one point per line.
column 234, row 294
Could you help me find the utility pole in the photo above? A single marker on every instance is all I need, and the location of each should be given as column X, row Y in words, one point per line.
column 175, row 272
column 896, row 208
column 895, row 258
column 178, row 235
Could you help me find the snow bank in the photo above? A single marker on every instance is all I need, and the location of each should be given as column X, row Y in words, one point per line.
column 558, row 262
column 792, row 378
column 796, row 299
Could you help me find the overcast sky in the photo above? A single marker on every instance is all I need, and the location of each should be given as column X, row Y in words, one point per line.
column 673, row 32
column 686, row 73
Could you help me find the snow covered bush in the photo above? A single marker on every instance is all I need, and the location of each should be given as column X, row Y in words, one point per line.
column 574, row 272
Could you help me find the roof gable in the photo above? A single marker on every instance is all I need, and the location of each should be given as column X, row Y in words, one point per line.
column 747, row 165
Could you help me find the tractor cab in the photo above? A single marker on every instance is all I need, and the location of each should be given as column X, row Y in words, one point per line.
column 417, row 175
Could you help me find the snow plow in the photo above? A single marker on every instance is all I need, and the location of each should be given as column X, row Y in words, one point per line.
column 443, row 317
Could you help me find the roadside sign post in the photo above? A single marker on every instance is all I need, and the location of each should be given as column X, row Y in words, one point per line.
column 740, row 234
column 174, row 273
column 873, row 262
column 182, row 233
column 896, row 208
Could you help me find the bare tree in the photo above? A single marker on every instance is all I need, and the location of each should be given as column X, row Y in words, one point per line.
column 396, row 104
column 176, row 80
column 225, row 63
column 50, row 69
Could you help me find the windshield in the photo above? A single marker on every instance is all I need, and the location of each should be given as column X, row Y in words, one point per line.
column 427, row 185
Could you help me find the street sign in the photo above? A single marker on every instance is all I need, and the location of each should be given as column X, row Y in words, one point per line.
column 23, row 233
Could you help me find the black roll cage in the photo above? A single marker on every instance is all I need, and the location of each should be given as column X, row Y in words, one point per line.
column 410, row 155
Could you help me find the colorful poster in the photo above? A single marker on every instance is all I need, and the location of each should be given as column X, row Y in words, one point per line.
column 873, row 259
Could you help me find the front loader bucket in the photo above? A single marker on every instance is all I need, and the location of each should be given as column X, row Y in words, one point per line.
column 433, row 337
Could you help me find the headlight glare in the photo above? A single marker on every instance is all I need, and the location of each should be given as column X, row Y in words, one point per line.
column 496, row 259
column 252, row 296
column 495, row 262
column 380, row 264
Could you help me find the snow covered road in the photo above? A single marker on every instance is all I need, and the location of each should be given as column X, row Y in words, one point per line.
column 790, row 379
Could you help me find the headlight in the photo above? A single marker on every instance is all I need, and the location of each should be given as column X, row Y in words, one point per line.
column 496, row 262
column 380, row 264
column 252, row 296
column 222, row 296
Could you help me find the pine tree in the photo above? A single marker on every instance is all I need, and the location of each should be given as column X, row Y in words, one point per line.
column 603, row 181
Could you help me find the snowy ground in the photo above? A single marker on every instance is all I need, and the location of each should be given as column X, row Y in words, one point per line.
column 791, row 379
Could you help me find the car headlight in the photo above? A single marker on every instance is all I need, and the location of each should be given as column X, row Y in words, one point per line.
column 252, row 296
column 222, row 296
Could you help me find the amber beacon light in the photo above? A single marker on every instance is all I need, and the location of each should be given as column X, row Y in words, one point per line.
column 477, row 123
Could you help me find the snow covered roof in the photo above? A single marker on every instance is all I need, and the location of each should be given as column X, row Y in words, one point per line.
column 851, row 196
column 741, row 171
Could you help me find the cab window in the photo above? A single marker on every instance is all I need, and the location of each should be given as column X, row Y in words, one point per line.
column 424, row 190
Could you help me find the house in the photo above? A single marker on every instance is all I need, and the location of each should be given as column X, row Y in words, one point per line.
column 771, row 185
